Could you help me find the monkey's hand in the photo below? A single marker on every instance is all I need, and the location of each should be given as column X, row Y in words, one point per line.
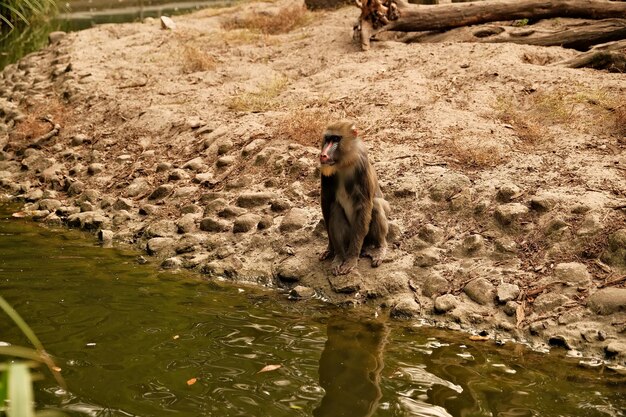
column 328, row 253
column 346, row 266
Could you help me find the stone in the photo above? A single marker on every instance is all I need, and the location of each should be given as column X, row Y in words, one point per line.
column 163, row 167
column 510, row 308
column 161, row 228
column 291, row 269
column 187, row 223
column 615, row 349
column 224, row 146
column 215, row 206
column 445, row 303
column 480, row 291
column 121, row 217
column 434, row 284
column 431, row 234
column 294, row 220
column 265, row 223
column 105, row 236
column 250, row 200
column 280, row 205
column 225, row 161
column 406, row 189
column 87, row 206
column 507, row 192
column 172, row 263
column 405, row 308
column 195, row 164
column 509, row 214
column 543, row 202
column 547, row 302
column 191, row 209
column 76, row 188
column 253, row 147
column 448, row 185
column 246, row 222
column 161, row 192
column 301, row 292
column 138, row 187
column 189, row 191
column 507, row 292
column 615, row 254
column 573, row 274
column 167, row 23
column 178, row 175
column 209, row 224
column 230, row 212
column 506, row 245
column 591, row 225
column 345, row 284
column 49, row 204
column 33, row 195
column 607, row 301
column 148, row 210
column 472, row 245
column 123, row 204
column 56, row 36
column 89, row 220
column 427, row 257
column 203, row 178
column 187, row 244
column 161, row 246
column 95, row 168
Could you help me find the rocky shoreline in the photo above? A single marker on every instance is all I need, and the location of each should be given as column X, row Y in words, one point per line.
column 109, row 131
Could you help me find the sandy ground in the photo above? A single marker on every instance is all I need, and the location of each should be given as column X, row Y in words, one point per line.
column 506, row 174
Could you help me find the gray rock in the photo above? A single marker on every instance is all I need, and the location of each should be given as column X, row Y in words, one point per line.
column 434, row 284
column 265, row 223
column 345, row 284
column 253, row 147
column 106, row 202
column 445, row 303
column 480, row 291
column 167, row 23
column 161, row 192
column 250, row 200
column 291, row 269
column 49, row 204
column 224, row 146
column 615, row 253
column 161, row 246
column 89, row 220
column 509, row 214
column 448, row 185
column 209, row 224
column 246, row 222
column 556, row 228
column 163, row 167
column 187, row 223
column 230, row 212
column 105, row 236
column 196, row 165
column 138, row 187
column 590, row 225
column 148, row 210
column 203, row 178
column 121, row 217
column 607, row 301
column 573, row 274
column 472, row 245
column 187, row 244
column 280, row 205
column 427, row 257
column 510, row 308
column 177, row 175
column 405, row 308
column 183, row 192
column 507, row 192
column 33, row 195
column 123, row 204
column 507, row 292
column 301, row 292
column 191, row 209
column 161, row 228
column 56, row 36
column 294, row 220
column 543, row 202
column 547, row 302
column 506, row 246
column 95, row 168
column 215, row 206
column 172, row 263
column 65, row 211
column 615, row 349
column 76, row 188
column 86, row 206
column 431, row 234
column 225, row 161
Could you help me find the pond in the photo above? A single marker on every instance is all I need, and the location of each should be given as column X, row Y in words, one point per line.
column 135, row 341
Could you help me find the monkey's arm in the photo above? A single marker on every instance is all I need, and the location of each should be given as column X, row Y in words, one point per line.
column 329, row 187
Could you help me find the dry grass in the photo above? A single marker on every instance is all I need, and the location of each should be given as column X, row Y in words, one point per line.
column 195, row 60
column 40, row 119
column 304, row 126
column 620, row 120
column 285, row 20
column 261, row 100
column 473, row 155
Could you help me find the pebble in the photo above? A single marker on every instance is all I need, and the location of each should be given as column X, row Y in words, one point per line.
column 607, row 301
column 161, row 192
column 507, row 192
column 246, row 222
column 431, row 234
column 445, row 303
column 427, row 257
column 509, row 214
column 161, row 246
column 507, row 292
column 294, row 220
column 405, row 308
column 249, row 200
column 301, row 292
column 434, row 284
column 209, row 224
column 480, row 291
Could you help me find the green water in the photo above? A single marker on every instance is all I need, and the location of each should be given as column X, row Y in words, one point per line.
column 128, row 338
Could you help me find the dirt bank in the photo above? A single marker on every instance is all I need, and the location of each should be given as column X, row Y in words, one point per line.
column 506, row 176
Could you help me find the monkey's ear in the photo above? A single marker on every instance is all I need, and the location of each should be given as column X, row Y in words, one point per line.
column 354, row 130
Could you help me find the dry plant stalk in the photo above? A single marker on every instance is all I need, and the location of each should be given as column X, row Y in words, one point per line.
column 287, row 19
column 261, row 100
column 196, row 60
column 304, row 126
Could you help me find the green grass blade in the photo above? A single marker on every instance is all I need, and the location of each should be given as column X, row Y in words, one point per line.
column 4, row 393
column 15, row 11
column 21, row 352
column 20, row 391
column 17, row 319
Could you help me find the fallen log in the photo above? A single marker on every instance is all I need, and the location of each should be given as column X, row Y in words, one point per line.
column 610, row 56
column 398, row 15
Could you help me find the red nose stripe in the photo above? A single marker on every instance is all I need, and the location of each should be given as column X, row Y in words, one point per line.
column 325, row 150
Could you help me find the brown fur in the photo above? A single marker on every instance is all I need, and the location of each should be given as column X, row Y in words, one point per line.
column 355, row 212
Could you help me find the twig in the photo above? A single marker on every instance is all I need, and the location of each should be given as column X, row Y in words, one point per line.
column 45, row 137
column 613, row 282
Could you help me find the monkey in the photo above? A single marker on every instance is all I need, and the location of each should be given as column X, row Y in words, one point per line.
column 353, row 207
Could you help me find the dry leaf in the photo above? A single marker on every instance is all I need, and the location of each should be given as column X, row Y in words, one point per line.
column 176, row 337
column 268, row 368
column 519, row 314
column 477, row 338
column 192, row 381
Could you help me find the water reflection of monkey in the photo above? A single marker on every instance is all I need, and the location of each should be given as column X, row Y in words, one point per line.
column 350, row 367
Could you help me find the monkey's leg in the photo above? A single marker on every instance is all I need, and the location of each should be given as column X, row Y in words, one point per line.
column 377, row 234
column 339, row 235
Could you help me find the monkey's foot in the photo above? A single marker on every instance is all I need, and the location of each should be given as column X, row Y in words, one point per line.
column 377, row 254
column 326, row 254
column 345, row 267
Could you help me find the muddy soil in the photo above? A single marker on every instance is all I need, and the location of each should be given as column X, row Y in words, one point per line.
column 506, row 174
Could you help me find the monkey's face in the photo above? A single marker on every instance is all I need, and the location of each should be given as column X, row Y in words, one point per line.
column 337, row 146
column 330, row 147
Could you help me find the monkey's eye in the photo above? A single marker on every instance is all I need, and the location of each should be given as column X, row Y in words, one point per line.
column 332, row 138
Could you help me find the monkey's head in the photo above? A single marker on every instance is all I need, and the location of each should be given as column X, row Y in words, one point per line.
column 339, row 147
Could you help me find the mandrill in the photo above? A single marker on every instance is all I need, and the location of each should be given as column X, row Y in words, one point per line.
column 354, row 210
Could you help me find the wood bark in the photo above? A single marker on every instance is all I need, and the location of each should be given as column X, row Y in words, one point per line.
column 610, row 56
column 398, row 15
